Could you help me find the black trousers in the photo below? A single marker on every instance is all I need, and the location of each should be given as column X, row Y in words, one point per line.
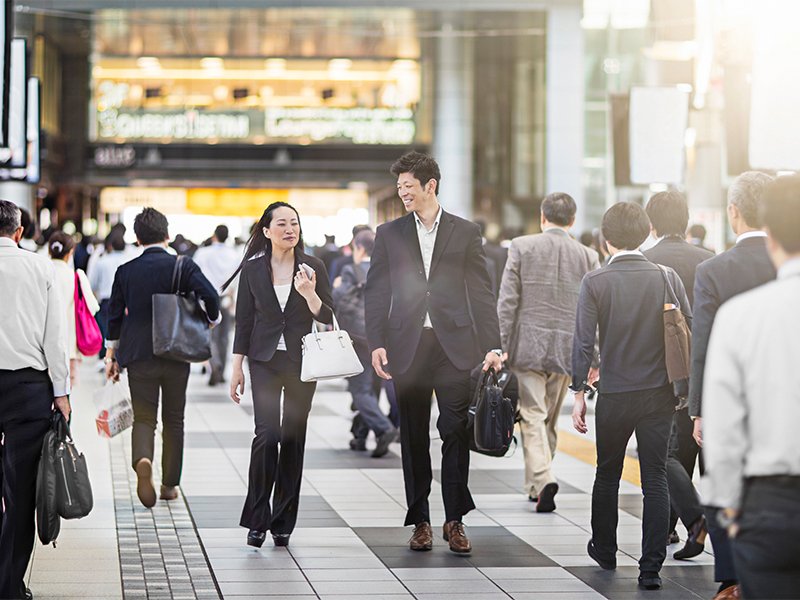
column 432, row 370
column 648, row 413
column 681, row 458
column 26, row 400
column 276, row 456
column 147, row 379
column 767, row 548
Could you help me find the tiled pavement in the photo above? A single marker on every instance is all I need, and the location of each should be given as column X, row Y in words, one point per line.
column 348, row 542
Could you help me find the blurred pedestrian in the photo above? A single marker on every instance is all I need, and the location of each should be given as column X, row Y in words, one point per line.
column 365, row 388
column 624, row 301
column 101, row 278
column 751, row 408
column 281, row 290
column 745, row 266
column 34, row 376
column 61, row 248
column 696, row 236
column 218, row 261
column 130, row 346
column 538, row 300
column 346, row 258
column 669, row 216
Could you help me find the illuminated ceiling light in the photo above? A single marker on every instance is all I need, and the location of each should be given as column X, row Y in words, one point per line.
column 404, row 64
column 275, row 64
column 339, row 64
column 212, row 63
column 148, row 62
column 220, row 92
column 266, row 91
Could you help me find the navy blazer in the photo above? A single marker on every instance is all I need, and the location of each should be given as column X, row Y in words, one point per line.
column 130, row 310
column 457, row 293
column 260, row 322
column 625, row 300
column 682, row 257
column 743, row 267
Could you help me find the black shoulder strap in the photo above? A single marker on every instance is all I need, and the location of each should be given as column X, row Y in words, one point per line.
column 177, row 272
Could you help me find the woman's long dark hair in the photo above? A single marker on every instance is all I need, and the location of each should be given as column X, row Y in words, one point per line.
column 258, row 242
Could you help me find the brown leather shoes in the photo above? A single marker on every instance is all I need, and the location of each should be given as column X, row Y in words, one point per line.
column 455, row 536
column 729, row 593
column 144, row 483
column 169, row 492
column 422, row 539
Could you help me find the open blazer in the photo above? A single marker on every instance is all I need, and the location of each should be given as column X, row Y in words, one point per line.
column 260, row 322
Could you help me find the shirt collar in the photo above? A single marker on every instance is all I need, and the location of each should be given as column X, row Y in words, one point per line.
column 153, row 247
column 751, row 234
column 625, row 253
column 435, row 222
column 556, row 230
column 789, row 268
column 7, row 242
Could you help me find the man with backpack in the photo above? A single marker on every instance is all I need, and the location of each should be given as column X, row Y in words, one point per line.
column 365, row 388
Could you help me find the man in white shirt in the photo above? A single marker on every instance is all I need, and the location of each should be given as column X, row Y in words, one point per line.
column 218, row 262
column 751, row 408
column 34, row 375
column 101, row 276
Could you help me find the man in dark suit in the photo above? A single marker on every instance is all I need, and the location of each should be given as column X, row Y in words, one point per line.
column 745, row 266
column 669, row 216
column 130, row 345
column 624, row 301
column 430, row 317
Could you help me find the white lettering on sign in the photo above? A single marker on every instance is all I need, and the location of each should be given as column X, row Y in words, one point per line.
column 114, row 157
column 360, row 125
column 187, row 125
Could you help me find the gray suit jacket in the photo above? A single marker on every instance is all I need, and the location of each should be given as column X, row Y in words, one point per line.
column 539, row 297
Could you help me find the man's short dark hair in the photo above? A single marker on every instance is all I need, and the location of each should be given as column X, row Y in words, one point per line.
column 151, row 227
column 115, row 241
column 697, row 231
column 780, row 211
column 625, row 226
column 559, row 209
column 365, row 239
column 669, row 213
column 221, row 233
column 10, row 218
column 745, row 194
column 421, row 166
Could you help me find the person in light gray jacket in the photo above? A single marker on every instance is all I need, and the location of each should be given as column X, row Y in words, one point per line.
column 537, row 304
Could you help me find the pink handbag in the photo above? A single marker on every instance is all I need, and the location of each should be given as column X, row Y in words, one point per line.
column 87, row 332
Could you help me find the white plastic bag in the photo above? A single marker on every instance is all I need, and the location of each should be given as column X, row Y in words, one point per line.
column 114, row 408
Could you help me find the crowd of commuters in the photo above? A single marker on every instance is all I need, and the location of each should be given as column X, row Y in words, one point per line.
column 426, row 298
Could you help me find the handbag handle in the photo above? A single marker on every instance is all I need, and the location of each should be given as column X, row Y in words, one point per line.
column 177, row 273
column 315, row 329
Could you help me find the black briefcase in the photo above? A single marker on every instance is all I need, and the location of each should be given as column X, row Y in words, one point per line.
column 180, row 326
column 74, row 498
column 491, row 417
column 48, row 521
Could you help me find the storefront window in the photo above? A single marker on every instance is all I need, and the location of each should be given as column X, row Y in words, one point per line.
column 360, row 93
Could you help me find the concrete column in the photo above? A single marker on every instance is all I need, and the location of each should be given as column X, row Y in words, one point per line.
column 565, row 105
column 18, row 192
column 452, row 132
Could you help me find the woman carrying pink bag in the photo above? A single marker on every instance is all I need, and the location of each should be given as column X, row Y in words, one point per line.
column 83, row 334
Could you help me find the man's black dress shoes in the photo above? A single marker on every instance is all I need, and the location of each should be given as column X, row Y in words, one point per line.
column 280, row 539
column 649, row 580
column 609, row 564
column 256, row 538
column 695, row 543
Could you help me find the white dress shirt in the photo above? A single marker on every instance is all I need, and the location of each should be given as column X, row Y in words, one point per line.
column 282, row 292
column 427, row 241
column 33, row 330
column 217, row 262
column 751, row 389
column 624, row 253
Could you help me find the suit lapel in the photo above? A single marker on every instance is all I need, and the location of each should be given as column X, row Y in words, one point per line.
column 446, row 227
column 264, row 282
column 412, row 240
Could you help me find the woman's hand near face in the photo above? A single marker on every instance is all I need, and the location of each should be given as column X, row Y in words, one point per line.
column 306, row 286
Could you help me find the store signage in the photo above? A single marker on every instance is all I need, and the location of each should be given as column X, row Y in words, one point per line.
column 359, row 125
column 185, row 125
column 114, row 157
column 167, row 200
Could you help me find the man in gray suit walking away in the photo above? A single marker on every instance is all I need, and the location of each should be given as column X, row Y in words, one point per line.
column 537, row 305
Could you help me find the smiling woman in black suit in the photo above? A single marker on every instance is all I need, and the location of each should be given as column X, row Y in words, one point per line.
column 281, row 290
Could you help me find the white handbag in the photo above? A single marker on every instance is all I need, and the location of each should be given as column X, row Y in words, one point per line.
column 328, row 355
